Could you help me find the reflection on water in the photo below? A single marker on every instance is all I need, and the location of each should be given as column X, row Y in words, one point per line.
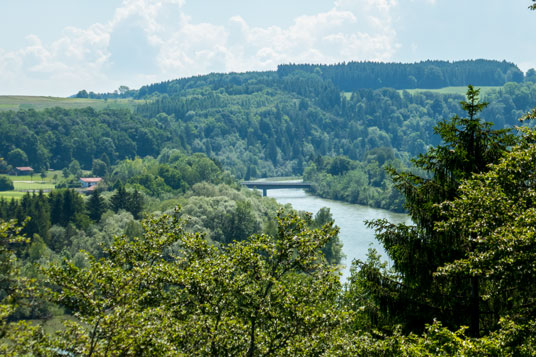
column 355, row 236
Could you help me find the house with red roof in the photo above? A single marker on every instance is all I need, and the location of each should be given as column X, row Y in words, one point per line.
column 90, row 181
column 24, row 170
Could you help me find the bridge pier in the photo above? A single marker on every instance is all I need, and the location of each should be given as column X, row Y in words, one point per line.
column 264, row 192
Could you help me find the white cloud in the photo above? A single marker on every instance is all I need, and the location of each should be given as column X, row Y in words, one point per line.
column 151, row 40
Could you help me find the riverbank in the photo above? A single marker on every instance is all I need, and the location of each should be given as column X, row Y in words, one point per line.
column 355, row 236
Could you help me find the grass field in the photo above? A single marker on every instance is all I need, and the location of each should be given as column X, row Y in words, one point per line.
column 34, row 185
column 15, row 102
column 454, row 90
column 36, row 177
column 25, row 183
column 446, row 90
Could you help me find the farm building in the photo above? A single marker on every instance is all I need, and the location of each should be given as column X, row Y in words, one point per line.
column 90, row 181
column 24, row 170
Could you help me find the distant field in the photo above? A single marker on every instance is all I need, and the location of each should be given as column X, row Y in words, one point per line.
column 36, row 185
column 446, row 90
column 35, row 177
column 9, row 102
column 454, row 90
column 26, row 183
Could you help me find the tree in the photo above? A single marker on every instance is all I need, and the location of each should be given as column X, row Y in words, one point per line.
column 99, row 168
column 119, row 199
column 82, row 94
column 496, row 213
column 4, row 166
column 135, row 203
column 17, row 157
column 333, row 248
column 469, row 146
column 6, row 184
column 268, row 295
column 96, row 206
column 74, row 169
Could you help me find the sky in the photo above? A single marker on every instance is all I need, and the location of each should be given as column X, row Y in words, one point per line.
column 58, row 47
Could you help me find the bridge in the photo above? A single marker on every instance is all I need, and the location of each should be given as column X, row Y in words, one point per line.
column 275, row 185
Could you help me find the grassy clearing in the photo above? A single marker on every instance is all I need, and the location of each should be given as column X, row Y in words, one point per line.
column 446, row 90
column 25, row 183
column 35, row 185
column 454, row 90
column 10, row 102
column 36, row 177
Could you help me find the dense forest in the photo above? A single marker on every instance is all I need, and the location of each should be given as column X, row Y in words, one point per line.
column 429, row 74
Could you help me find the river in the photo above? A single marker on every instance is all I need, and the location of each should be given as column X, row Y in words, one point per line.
column 354, row 235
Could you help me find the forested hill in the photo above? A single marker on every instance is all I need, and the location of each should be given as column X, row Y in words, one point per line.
column 344, row 76
column 253, row 124
column 259, row 124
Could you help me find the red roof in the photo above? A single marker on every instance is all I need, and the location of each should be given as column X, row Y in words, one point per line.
column 90, row 179
column 24, row 168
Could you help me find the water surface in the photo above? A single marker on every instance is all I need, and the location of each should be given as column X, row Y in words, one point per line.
column 354, row 235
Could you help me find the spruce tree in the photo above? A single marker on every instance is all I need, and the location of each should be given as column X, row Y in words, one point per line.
column 96, row 206
column 468, row 146
column 119, row 200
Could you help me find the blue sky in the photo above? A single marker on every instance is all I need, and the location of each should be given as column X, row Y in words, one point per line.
column 58, row 47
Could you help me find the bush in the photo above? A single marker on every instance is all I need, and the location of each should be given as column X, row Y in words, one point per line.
column 6, row 184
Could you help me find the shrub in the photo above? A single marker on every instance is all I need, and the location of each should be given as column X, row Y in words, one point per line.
column 6, row 184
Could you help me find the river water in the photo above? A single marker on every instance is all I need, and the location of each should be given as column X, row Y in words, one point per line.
column 354, row 235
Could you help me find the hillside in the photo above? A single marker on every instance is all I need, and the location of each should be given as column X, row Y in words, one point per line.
column 255, row 124
column 12, row 102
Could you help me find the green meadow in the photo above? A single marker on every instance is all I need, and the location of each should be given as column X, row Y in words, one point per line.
column 461, row 90
column 25, row 183
column 484, row 90
column 11, row 102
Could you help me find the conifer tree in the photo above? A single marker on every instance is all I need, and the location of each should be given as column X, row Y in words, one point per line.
column 96, row 206
column 469, row 146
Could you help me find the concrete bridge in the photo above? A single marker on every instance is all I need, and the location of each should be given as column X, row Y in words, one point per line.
column 274, row 185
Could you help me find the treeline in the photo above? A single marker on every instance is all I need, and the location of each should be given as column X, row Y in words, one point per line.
column 352, row 76
column 349, row 77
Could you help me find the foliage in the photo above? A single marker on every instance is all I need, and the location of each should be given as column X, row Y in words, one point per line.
column 96, row 206
column 131, row 201
column 495, row 213
column 6, row 184
column 270, row 295
column 333, row 248
column 364, row 183
column 470, row 145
